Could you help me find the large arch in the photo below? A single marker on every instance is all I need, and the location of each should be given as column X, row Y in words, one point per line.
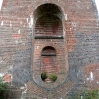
column 49, row 31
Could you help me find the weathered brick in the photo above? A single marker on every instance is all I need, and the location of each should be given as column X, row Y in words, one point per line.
column 75, row 25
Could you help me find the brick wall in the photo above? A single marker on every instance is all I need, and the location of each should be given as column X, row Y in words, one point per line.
column 77, row 52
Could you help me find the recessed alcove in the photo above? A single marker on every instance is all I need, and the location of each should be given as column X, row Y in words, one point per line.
column 48, row 62
column 48, row 22
column 49, row 54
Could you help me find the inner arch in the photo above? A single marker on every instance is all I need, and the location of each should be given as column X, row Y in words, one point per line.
column 48, row 8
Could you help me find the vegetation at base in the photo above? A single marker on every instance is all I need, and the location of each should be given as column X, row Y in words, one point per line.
column 43, row 76
column 91, row 94
column 4, row 93
column 53, row 77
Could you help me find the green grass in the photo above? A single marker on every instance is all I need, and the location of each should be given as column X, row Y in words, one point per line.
column 91, row 94
column 53, row 77
column 43, row 76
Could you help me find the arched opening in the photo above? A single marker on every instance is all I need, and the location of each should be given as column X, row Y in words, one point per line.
column 48, row 63
column 46, row 9
column 49, row 54
column 48, row 25
column 48, row 51
column 48, row 22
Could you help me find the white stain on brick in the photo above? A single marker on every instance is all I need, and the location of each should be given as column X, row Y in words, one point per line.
column 87, row 79
column 2, row 23
column 19, row 31
column 37, row 47
column 97, row 4
column 22, row 87
column 10, row 24
column 91, row 76
column 97, row 82
column 87, row 7
column 1, row 61
column 1, row 1
column 25, row 90
column 66, row 17
column 27, row 20
column 31, row 22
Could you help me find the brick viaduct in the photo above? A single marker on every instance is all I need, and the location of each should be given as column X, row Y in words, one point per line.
column 52, row 36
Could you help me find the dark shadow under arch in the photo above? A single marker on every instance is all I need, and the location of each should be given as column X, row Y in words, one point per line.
column 48, row 8
column 48, row 51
